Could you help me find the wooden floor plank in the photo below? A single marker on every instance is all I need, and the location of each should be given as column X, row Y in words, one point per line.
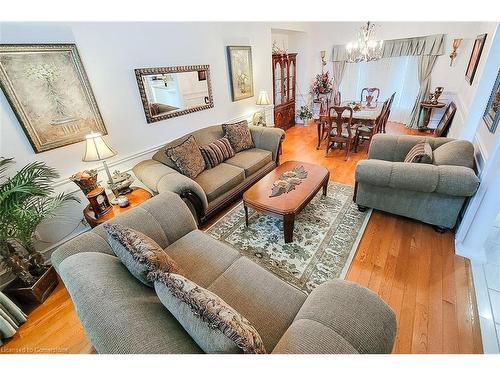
column 414, row 269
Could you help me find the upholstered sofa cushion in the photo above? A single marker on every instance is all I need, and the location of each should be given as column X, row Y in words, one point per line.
column 139, row 253
column 216, row 152
column 266, row 301
column 427, row 178
column 210, row 321
column 218, row 180
column 187, row 157
column 239, row 135
column 251, row 160
column 120, row 314
column 202, row 258
column 457, row 152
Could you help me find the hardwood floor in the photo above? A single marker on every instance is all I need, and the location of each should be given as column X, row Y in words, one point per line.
column 412, row 267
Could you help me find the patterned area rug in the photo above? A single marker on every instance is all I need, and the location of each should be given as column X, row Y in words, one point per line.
column 326, row 235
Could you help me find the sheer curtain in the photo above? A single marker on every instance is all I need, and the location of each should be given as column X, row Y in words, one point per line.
column 393, row 74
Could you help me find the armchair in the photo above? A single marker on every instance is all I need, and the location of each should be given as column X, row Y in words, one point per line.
column 432, row 193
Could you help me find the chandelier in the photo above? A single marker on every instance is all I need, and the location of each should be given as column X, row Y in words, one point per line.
column 366, row 48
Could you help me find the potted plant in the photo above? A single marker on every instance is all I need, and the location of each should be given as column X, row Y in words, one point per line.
column 304, row 114
column 26, row 199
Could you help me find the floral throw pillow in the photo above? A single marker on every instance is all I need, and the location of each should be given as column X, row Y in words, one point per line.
column 238, row 135
column 214, row 325
column 187, row 157
column 139, row 253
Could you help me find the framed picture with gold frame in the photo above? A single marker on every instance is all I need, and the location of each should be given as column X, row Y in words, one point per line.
column 240, row 72
column 50, row 94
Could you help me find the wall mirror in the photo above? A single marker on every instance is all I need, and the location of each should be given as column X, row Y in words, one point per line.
column 174, row 91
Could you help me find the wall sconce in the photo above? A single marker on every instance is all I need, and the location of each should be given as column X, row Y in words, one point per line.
column 323, row 62
column 453, row 54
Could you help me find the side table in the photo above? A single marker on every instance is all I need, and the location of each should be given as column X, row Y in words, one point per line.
column 135, row 198
column 428, row 107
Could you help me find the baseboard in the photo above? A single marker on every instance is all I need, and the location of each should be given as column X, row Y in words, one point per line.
column 476, row 254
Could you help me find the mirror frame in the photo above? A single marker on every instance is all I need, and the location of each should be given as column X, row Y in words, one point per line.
column 140, row 73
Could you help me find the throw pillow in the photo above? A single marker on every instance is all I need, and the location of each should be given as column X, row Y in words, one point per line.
column 214, row 325
column 239, row 135
column 420, row 153
column 216, row 152
column 139, row 253
column 457, row 152
column 187, row 157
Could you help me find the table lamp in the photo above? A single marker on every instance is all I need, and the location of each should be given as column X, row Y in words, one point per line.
column 97, row 149
column 262, row 100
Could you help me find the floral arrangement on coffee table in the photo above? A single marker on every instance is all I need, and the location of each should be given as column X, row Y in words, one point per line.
column 288, row 181
column 322, row 85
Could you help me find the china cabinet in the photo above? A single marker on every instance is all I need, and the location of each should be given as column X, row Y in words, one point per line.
column 284, row 82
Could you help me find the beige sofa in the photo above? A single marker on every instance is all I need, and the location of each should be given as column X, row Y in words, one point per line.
column 432, row 193
column 214, row 188
column 122, row 315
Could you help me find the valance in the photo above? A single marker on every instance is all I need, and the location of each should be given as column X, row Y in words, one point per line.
column 423, row 45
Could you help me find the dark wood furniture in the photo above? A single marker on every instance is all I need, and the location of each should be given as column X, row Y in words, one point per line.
column 284, row 83
column 135, row 197
column 340, row 129
column 428, row 108
column 373, row 92
column 445, row 122
column 366, row 132
column 286, row 205
column 391, row 100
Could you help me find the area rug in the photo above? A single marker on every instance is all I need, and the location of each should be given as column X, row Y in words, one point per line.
column 326, row 235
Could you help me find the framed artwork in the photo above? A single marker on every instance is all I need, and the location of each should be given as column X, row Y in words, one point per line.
column 492, row 113
column 240, row 72
column 50, row 94
column 475, row 55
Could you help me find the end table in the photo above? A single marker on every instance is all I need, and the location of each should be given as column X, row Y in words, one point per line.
column 135, row 198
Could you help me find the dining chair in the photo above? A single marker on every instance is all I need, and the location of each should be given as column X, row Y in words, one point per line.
column 373, row 92
column 340, row 130
column 366, row 132
column 388, row 110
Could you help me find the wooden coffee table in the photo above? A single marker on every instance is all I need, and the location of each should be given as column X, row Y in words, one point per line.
column 286, row 205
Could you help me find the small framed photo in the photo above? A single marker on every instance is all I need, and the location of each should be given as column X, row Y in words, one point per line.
column 475, row 55
column 492, row 113
column 240, row 71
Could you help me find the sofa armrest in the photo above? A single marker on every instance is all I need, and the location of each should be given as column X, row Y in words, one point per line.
column 340, row 317
column 427, row 178
column 160, row 178
column 267, row 139
column 395, row 148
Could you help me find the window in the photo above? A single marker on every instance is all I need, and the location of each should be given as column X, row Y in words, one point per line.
column 394, row 74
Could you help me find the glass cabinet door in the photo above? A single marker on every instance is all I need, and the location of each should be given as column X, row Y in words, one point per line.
column 277, row 84
column 291, row 85
column 285, row 82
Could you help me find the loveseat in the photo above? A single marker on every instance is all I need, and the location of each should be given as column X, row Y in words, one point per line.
column 214, row 188
column 433, row 193
column 122, row 315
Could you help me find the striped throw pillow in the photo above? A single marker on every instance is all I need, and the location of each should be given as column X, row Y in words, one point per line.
column 216, row 152
column 420, row 153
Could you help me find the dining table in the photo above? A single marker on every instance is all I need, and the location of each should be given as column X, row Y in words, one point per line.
column 362, row 115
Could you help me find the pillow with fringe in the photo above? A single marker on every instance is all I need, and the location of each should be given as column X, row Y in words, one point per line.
column 139, row 253
column 214, row 325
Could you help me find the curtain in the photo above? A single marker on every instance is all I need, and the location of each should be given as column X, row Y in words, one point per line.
column 395, row 74
column 11, row 317
column 338, row 74
column 425, row 65
column 422, row 45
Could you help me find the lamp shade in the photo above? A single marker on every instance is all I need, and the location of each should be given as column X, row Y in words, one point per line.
column 263, row 98
column 96, row 148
